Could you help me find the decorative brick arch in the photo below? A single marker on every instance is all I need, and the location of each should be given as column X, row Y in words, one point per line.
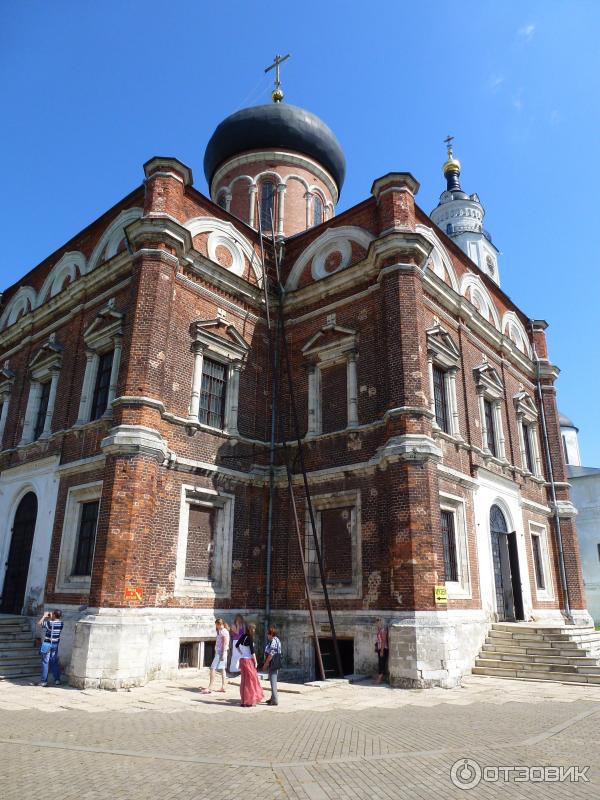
column 332, row 240
column 224, row 234
column 514, row 329
column 480, row 298
column 440, row 260
column 71, row 266
column 112, row 236
column 23, row 302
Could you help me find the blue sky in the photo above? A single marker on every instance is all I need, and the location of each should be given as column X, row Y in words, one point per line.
column 91, row 90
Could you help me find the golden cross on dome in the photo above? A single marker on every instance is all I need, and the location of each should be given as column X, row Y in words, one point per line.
column 277, row 93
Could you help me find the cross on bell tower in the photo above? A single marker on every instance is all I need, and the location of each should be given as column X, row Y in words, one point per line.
column 277, row 93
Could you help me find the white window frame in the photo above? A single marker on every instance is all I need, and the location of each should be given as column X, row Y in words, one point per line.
column 460, row 589
column 527, row 415
column 224, row 504
column 321, row 502
column 43, row 368
column 67, row 582
column 320, row 356
column 547, row 594
column 490, row 387
column 7, row 378
column 231, row 351
column 443, row 353
column 103, row 335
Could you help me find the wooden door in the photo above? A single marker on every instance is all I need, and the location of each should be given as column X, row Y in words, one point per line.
column 17, row 565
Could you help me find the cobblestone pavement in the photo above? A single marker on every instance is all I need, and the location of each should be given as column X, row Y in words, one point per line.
column 167, row 741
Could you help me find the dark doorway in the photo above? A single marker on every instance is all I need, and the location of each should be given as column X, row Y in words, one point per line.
column 17, row 565
column 507, row 576
column 346, row 648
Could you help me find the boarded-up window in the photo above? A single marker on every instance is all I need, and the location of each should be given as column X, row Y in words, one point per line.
column 336, row 544
column 199, row 558
column 334, row 398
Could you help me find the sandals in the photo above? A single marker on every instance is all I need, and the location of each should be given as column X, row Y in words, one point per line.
column 206, row 691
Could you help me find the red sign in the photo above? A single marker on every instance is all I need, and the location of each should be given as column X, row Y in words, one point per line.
column 133, row 593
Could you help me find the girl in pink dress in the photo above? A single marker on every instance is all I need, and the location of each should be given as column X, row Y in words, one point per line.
column 250, row 689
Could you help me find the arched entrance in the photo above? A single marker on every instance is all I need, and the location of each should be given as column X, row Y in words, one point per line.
column 17, row 565
column 509, row 598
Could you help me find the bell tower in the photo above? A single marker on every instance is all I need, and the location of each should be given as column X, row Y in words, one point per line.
column 460, row 216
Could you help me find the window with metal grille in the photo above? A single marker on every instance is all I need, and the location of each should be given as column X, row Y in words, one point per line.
column 199, row 556
column 449, row 542
column 538, row 563
column 102, row 387
column 86, row 538
column 267, row 205
column 527, row 445
column 441, row 399
column 40, row 419
column 491, row 427
column 222, row 200
column 336, row 545
column 317, row 210
column 212, row 395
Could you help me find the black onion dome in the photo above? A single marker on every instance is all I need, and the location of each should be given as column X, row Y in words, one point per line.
column 276, row 125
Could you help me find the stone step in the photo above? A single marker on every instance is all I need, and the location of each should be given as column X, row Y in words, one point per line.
column 17, row 644
column 22, row 671
column 528, row 636
column 15, row 637
column 526, row 646
column 515, row 627
column 15, row 661
column 524, row 665
column 537, row 659
column 561, row 677
column 13, row 628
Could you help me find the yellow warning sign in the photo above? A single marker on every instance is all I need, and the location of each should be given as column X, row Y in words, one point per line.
column 440, row 594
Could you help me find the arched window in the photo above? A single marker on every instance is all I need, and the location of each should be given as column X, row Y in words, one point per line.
column 222, row 201
column 267, row 205
column 317, row 210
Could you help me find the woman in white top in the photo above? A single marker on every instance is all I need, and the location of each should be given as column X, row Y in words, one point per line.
column 219, row 662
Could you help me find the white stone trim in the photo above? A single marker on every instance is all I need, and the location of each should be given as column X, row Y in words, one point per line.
column 224, row 503
column 44, row 367
column 7, row 379
column 232, row 352
column 104, row 334
column 547, row 594
column 66, row 581
column 460, row 589
column 351, row 498
column 329, row 354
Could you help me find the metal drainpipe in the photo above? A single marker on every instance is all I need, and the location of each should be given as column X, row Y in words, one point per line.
column 561, row 555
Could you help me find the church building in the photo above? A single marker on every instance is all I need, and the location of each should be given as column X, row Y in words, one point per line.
column 143, row 483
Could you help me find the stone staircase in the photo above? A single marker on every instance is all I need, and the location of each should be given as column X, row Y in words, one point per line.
column 19, row 657
column 541, row 652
